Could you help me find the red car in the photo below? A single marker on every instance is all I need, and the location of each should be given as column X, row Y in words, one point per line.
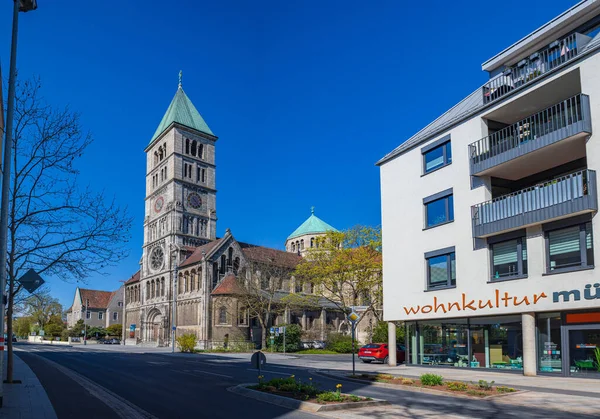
column 379, row 352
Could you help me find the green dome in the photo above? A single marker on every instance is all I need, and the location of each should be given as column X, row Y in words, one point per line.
column 313, row 225
column 182, row 111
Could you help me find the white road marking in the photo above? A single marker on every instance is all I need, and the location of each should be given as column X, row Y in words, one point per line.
column 122, row 407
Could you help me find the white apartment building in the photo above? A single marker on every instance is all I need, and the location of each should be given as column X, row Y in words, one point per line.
column 490, row 233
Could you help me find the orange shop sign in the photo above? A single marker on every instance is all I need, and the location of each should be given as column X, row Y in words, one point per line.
column 499, row 300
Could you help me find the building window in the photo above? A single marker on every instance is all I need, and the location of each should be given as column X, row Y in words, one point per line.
column 298, row 286
column 439, row 208
column 509, row 259
column 100, row 315
column 570, row 248
column 197, row 174
column 222, row 315
column 441, row 268
column 242, row 316
column 115, row 316
column 203, row 177
column 201, row 150
column 437, row 155
column 88, row 314
column 120, row 303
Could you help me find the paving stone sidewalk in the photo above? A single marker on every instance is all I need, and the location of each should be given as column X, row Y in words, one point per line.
column 27, row 400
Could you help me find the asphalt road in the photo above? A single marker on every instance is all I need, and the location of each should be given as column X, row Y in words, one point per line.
column 173, row 386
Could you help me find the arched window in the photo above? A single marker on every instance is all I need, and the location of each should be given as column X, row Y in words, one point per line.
column 265, row 282
column 155, row 157
column 311, row 288
column 187, row 282
column 152, row 289
column 298, row 286
column 222, row 315
column 147, row 290
column 187, row 146
column 230, row 258
column 193, row 280
column 293, row 247
column 162, row 287
column 194, row 143
column 199, row 279
column 180, row 284
column 302, row 244
column 223, row 263
column 236, row 265
column 203, row 177
column 160, row 154
column 201, row 150
column 215, row 274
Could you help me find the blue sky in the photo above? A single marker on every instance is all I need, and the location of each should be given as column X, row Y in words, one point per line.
column 304, row 96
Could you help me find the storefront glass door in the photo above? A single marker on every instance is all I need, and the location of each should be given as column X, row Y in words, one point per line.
column 584, row 351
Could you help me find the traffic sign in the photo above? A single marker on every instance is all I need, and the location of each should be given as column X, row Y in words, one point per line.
column 353, row 317
column 31, row 281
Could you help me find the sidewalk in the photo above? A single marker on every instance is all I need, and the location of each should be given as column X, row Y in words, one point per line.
column 27, row 400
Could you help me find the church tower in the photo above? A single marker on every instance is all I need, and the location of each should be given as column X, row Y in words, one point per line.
column 180, row 207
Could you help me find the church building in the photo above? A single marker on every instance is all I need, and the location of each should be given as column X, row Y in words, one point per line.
column 187, row 277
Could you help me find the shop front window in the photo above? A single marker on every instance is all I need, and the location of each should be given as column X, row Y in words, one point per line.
column 549, row 344
column 584, row 352
column 497, row 342
column 443, row 343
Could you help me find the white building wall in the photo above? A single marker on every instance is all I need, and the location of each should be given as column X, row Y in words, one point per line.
column 405, row 242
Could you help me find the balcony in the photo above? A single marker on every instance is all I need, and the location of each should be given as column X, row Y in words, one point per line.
column 569, row 119
column 568, row 195
column 529, row 69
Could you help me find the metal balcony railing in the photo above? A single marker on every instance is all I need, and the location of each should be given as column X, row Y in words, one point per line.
column 553, row 124
column 538, row 63
column 569, row 194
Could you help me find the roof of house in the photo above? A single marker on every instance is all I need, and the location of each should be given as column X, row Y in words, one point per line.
column 134, row 278
column 267, row 255
column 197, row 255
column 466, row 108
column 96, row 298
column 181, row 111
column 312, row 225
column 228, row 286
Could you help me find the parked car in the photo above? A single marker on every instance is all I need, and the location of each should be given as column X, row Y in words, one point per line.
column 306, row 345
column 14, row 338
column 113, row 341
column 318, row 344
column 379, row 352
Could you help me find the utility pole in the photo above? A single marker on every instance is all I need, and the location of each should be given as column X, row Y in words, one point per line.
column 18, row 6
column 87, row 305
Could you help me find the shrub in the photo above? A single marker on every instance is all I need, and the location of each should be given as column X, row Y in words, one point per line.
column 485, row 385
column 293, row 337
column 330, row 396
column 384, row 377
column 407, row 381
column 354, row 398
column 186, row 342
column 457, row 386
column 339, row 343
column 431, row 380
column 502, row 389
column 115, row 330
column 64, row 335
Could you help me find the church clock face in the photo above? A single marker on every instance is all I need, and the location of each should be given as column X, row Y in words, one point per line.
column 159, row 203
column 157, row 258
column 194, row 200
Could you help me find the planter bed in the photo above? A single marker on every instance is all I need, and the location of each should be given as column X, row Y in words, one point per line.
column 294, row 394
column 481, row 389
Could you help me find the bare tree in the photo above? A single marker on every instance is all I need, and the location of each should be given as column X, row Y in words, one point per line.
column 55, row 227
column 264, row 293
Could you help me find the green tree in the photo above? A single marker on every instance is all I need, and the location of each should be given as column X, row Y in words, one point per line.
column 380, row 333
column 53, row 330
column 23, row 326
column 42, row 307
column 345, row 268
column 115, row 330
column 96, row 332
column 77, row 329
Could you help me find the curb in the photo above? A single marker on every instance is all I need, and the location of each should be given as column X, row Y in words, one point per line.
column 242, row 390
column 431, row 391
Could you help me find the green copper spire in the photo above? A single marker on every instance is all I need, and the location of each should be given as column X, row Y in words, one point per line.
column 313, row 225
column 182, row 111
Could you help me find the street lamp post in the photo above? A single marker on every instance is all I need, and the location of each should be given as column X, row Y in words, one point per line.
column 19, row 6
column 174, row 308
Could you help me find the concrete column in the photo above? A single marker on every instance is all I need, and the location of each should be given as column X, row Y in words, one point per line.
column 392, row 344
column 529, row 353
column 304, row 320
